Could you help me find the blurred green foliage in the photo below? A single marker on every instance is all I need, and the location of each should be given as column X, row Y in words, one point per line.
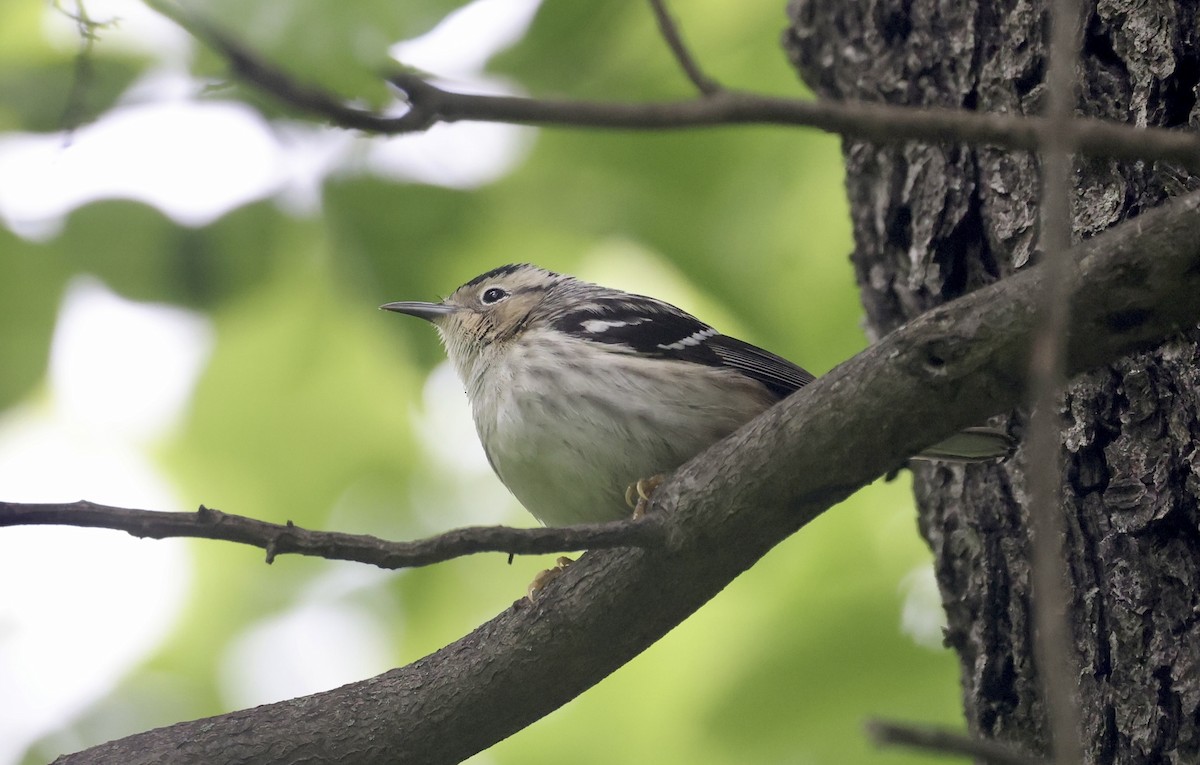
column 305, row 410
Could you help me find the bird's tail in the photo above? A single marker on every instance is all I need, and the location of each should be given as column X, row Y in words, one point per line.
column 982, row 444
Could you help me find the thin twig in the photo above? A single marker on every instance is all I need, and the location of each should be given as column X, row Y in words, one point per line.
column 879, row 123
column 945, row 742
column 278, row 539
column 83, row 73
column 687, row 62
column 1053, row 644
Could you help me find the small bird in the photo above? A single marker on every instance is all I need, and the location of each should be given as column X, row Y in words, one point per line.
column 579, row 391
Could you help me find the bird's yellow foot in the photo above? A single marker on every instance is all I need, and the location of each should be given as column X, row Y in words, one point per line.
column 546, row 577
column 638, row 494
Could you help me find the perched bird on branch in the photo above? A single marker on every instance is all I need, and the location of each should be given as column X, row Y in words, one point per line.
column 580, row 392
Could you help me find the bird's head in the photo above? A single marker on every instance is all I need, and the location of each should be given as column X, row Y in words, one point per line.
column 488, row 311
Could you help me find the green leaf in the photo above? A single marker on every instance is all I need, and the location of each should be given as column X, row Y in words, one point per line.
column 31, row 284
column 57, row 96
column 340, row 47
column 141, row 254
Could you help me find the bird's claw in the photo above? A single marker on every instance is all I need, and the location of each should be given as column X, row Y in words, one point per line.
column 637, row 495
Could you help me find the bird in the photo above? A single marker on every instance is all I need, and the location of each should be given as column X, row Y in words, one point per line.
column 581, row 392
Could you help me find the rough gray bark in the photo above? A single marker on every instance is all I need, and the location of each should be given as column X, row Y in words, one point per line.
column 933, row 222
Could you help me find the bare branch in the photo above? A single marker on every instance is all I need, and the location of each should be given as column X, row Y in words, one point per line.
column 277, row 539
column 670, row 32
column 940, row 741
column 879, row 123
column 947, row 369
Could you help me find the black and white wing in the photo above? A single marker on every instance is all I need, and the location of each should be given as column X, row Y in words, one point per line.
column 781, row 376
column 657, row 329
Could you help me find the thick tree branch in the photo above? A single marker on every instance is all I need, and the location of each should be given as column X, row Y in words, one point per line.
column 278, row 539
column 950, row 368
column 878, row 123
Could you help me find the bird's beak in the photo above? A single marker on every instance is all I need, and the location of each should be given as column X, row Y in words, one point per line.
column 426, row 311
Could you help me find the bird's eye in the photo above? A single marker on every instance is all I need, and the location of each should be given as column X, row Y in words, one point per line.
column 493, row 295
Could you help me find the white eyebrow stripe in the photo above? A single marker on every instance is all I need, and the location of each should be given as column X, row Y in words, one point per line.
column 596, row 326
column 693, row 339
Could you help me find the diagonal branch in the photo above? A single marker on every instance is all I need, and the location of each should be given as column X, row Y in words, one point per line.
column 1135, row 285
column 670, row 32
column 938, row 741
column 278, row 539
column 879, row 123
column 268, row 78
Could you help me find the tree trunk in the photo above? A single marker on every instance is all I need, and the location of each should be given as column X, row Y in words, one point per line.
column 934, row 222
